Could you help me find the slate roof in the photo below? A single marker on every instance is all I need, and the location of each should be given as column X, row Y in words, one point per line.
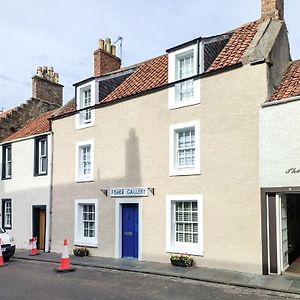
column 154, row 73
column 290, row 84
column 37, row 126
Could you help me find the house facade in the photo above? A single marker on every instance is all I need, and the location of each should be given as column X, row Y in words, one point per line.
column 279, row 174
column 25, row 186
column 163, row 157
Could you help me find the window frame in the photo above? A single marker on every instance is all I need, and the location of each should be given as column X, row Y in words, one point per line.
column 79, row 239
column 79, row 177
column 174, row 169
column 4, row 224
column 85, row 109
column 37, row 155
column 172, row 246
column 5, row 163
column 173, row 59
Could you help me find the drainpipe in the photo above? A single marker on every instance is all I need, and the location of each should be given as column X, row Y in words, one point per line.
column 51, row 189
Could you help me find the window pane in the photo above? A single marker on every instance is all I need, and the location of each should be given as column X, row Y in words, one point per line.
column 88, row 217
column 186, row 221
column 186, row 148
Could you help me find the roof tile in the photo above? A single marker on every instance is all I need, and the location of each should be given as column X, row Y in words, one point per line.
column 236, row 47
column 290, row 84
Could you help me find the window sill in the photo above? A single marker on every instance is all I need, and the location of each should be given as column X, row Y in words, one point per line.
column 82, row 243
column 184, row 172
column 175, row 105
column 83, row 126
column 190, row 250
column 38, row 175
column 6, row 178
column 81, row 180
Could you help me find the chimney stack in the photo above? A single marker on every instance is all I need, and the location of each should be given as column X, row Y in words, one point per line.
column 273, row 9
column 105, row 58
column 45, row 86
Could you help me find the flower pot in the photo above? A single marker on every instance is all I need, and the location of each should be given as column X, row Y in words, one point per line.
column 180, row 263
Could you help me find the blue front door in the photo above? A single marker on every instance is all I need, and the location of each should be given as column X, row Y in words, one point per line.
column 130, row 230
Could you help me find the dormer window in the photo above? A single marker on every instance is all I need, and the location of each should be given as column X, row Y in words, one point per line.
column 85, row 100
column 185, row 69
column 183, row 65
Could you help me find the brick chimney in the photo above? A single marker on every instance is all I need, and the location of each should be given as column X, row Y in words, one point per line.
column 45, row 86
column 273, row 9
column 105, row 58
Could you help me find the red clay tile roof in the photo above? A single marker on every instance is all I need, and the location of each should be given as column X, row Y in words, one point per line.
column 236, row 47
column 154, row 73
column 290, row 84
column 37, row 126
column 149, row 75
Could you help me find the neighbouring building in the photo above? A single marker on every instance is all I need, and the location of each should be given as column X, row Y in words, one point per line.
column 25, row 186
column 163, row 157
column 47, row 95
column 280, row 174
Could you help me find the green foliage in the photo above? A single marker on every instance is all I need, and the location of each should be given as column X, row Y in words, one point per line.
column 183, row 258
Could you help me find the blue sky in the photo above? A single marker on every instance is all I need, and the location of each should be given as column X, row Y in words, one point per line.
column 65, row 33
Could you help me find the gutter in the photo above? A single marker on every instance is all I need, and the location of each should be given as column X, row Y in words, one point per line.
column 282, row 101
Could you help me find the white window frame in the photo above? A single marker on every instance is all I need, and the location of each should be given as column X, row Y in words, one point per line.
column 41, row 157
column 7, row 162
column 79, row 239
column 174, row 170
column 91, row 85
column 79, row 177
column 173, row 58
column 171, row 245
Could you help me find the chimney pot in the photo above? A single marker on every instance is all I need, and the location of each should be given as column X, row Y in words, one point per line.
column 39, row 71
column 56, row 77
column 101, row 44
column 108, row 45
column 113, row 50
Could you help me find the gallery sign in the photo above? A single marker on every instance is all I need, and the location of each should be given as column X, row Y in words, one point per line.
column 129, row 192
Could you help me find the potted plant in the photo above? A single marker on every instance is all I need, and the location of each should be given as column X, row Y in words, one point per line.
column 81, row 251
column 181, row 260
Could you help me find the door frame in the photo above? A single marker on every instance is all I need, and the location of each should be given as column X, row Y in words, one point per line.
column 272, row 218
column 45, row 229
column 118, row 226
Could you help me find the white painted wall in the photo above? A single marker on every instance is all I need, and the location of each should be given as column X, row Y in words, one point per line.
column 25, row 190
column 280, row 145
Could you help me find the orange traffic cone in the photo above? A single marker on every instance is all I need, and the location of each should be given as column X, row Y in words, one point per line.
column 2, row 264
column 65, row 264
column 33, row 247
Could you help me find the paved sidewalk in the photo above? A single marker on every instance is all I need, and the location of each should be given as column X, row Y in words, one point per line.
column 284, row 283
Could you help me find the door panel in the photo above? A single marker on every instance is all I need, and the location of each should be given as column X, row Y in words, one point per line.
column 130, row 230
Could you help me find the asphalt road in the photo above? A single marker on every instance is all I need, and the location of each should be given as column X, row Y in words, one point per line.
column 36, row 280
